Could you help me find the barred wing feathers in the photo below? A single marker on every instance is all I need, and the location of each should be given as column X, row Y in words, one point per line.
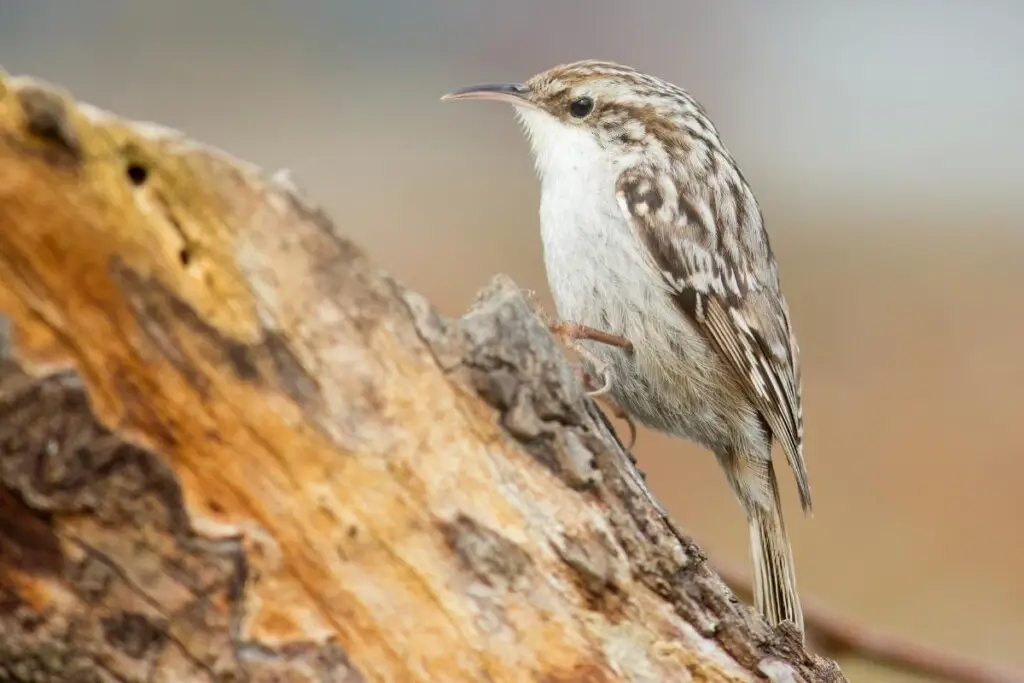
column 729, row 290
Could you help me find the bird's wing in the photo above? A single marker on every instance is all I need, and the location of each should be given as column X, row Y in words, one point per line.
column 730, row 293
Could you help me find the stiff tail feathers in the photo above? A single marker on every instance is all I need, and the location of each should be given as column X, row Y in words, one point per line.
column 775, row 593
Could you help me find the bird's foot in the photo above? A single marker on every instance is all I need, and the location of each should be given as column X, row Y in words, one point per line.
column 571, row 334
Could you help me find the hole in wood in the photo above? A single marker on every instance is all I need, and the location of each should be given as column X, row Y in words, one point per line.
column 137, row 174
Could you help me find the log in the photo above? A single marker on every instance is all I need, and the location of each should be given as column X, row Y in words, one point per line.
column 232, row 449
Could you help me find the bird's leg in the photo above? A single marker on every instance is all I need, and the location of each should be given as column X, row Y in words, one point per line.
column 574, row 332
column 569, row 332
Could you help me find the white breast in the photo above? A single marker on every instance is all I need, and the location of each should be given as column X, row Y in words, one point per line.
column 595, row 267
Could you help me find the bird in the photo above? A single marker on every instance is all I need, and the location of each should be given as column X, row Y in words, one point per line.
column 660, row 269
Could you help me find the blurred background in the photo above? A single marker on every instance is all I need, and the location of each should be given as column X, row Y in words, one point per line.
column 883, row 140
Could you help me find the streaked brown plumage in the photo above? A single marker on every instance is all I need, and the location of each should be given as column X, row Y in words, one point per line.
column 652, row 233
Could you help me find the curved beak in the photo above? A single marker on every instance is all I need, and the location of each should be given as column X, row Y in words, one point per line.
column 510, row 93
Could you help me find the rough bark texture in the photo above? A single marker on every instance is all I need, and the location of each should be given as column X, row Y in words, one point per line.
column 232, row 449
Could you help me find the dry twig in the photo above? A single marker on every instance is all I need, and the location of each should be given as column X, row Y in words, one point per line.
column 835, row 635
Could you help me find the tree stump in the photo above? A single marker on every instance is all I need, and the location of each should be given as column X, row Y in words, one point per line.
column 232, row 449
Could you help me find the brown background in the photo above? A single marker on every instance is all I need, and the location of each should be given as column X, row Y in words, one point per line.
column 883, row 140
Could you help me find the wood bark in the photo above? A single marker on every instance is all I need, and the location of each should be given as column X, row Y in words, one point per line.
column 232, row 449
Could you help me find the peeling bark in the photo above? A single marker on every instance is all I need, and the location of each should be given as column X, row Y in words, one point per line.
column 231, row 448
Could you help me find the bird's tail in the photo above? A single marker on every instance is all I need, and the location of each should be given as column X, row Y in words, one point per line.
column 775, row 594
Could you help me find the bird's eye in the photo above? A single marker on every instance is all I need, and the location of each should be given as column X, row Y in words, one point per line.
column 581, row 106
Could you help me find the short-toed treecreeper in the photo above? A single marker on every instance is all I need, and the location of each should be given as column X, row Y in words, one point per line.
column 651, row 234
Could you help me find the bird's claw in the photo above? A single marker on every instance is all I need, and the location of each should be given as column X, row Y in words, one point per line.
column 615, row 408
column 600, row 368
column 606, row 384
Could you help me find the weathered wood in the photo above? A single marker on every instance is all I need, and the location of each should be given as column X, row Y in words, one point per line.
column 232, row 449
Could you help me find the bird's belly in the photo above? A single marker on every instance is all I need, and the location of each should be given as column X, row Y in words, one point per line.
column 599, row 277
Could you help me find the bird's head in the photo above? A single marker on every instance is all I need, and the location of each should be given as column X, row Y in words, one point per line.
column 598, row 112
